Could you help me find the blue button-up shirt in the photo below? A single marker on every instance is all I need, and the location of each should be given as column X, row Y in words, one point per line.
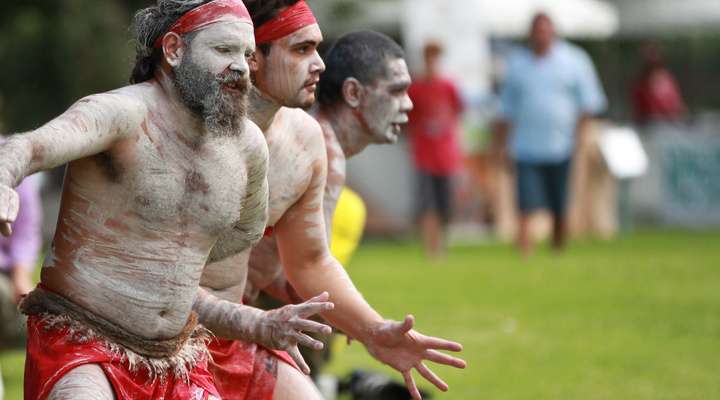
column 543, row 97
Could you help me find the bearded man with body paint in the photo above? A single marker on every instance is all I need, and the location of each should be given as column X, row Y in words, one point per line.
column 157, row 172
column 286, row 69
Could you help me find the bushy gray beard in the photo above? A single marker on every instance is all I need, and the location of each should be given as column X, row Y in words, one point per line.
column 224, row 114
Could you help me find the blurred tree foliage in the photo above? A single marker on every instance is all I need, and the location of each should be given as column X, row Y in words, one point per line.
column 53, row 52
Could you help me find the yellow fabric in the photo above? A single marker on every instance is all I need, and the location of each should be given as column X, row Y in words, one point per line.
column 347, row 226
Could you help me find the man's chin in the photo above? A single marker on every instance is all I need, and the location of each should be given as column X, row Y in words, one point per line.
column 386, row 138
column 304, row 101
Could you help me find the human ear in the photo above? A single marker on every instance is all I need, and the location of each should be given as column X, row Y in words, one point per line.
column 173, row 48
column 353, row 92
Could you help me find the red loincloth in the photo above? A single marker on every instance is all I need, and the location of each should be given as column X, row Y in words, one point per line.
column 53, row 352
column 245, row 371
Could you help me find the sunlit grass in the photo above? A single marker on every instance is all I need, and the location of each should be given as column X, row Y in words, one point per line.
column 635, row 318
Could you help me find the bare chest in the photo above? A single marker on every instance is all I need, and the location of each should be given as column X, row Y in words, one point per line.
column 189, row 187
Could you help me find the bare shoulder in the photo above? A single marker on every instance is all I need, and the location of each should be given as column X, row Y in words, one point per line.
column 125, row 106
column 305, row 128
column 133, row 97
column 254, row 139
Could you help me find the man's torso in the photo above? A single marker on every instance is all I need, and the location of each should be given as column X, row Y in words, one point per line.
column 547, row 95
column 289, row 176
column 137, row 221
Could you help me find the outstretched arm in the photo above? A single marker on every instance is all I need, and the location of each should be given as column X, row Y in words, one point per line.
column 311, row 269
column 265, row 272
column 90, row 126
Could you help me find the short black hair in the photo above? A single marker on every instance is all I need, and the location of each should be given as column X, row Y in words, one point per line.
column 148, row 25
column 541, row 16
column 262, row 11
column 361, row 55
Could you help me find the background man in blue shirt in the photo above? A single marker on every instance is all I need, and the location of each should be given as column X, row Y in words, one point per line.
column 550, row 91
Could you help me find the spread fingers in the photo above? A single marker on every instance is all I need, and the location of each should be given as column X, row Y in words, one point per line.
column 294, row 353
column 431, row 377
column 307, row 325
column 307, row 341
column 440, row 358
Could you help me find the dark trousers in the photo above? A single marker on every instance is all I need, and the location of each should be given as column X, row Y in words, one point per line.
column 542, row 186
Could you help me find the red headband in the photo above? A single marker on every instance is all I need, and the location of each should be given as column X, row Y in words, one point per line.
column 292, row 19
column 207, row 14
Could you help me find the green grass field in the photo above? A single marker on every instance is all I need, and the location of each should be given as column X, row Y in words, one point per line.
column 635, row 318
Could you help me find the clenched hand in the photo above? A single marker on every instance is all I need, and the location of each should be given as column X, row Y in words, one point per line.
column 9, row 206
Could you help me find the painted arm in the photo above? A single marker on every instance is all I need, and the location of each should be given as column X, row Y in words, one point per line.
column 311, row 269
column 276, row 329
column 266, row 272
column 90, row 126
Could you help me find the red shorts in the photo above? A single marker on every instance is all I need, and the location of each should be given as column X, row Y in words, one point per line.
column 245, row 370
column 52, row 353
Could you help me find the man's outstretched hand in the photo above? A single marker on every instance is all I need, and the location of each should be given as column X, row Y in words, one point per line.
column 399, row 346
column 286, row 327
column 9, row 206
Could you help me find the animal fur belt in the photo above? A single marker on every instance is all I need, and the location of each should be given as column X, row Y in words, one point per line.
column 41, row 301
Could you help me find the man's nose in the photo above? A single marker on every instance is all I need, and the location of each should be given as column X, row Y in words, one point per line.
column 407, row 104
column 240, row 66
column 317, row 64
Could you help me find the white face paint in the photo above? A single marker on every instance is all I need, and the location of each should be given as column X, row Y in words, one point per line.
column 289, row 73
column 224, row 46
column 385, row 105
column 212, row 76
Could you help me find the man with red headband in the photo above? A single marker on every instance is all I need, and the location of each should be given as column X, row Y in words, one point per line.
column 157, row 171
column 285, row 71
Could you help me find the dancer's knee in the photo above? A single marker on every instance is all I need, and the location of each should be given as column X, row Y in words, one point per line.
column 87, row 382
column 293, row 384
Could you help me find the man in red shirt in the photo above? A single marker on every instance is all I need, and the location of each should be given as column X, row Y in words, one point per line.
column 434, row 129
column 656, row 94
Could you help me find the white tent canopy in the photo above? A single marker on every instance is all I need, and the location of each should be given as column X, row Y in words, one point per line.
column 573, row 18
column 506, row 18
column 651, row 17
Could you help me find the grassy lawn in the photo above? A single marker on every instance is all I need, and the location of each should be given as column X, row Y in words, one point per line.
column 636, row 318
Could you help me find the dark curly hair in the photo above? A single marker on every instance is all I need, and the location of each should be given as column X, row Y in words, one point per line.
column 361, row 55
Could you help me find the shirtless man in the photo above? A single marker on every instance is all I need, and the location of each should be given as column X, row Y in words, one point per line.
column 363, row 99
column 286, row 70
column 157, row 171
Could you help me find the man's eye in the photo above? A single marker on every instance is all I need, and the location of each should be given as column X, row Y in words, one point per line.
column 303, row 49
column 222, row 50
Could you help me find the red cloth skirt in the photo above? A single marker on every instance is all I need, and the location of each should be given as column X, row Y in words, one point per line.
column 53, row 352
column 245, row 370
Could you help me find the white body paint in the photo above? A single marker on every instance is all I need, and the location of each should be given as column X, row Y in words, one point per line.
column 148, row 190
column 131, row 247
column 375, row 117
column 300, row 233
column 86, row 382
column 288, row 180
